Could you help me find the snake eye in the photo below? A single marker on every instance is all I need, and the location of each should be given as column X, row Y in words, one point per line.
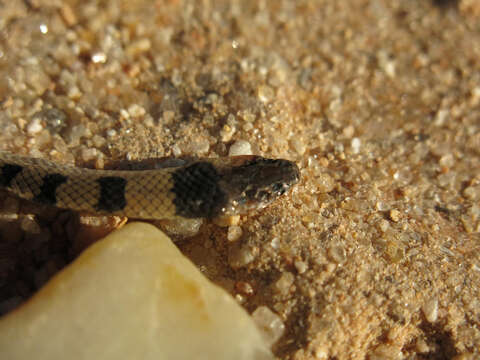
column 257, row 195
column 278, row 188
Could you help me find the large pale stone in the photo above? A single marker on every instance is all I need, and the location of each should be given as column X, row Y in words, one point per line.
column 132, row 295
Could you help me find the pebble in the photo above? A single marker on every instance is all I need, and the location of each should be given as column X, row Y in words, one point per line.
column 98, row 141
column 99, row 57
column 55, row 119
column 136, row 111
column 139, row 46
column 35, row 126
column 284, row 283
column 299, row 146
column 242, row 255
column 386, row 352
column 265, row 93
column 68, row 15
column 383, row 225
column 430, row 310
column 270, row 324
column 472, row 193
column 181, row 227
column 301, row 266
column 394, row 215
column 136, row 270
column 234, row 233
column 348, row 131
column 200, row 146
column 337, row 254
column 325, row 183
column 355, row 144
column 240, row 147
column 89, row 154
column 225, row 221
column 227, row 132
column 244, row 288
column 447, row 160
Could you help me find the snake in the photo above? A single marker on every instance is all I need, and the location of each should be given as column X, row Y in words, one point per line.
column 200, row 188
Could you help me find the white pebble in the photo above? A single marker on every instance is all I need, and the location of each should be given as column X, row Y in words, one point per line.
column 325, row 183
column 182, row 227
column 136, row 111
column 227, row 132
column 99, row 57
column 265, row 93
column 176, row 151
column 472, row 193
column 383, row 225
column 111, row 133
column 240, row 147
column 337, row 254
column 89, row 154
column 301, row 266
column 199, row 146
column 430, row 310
column 348, row 131
column 35, row 126
column 269, row 323
column 284, row 283
column 241, row 256
column 386, row 352
column 441, row 117
column 234, row 233
column 299, row 146
column 356, row 143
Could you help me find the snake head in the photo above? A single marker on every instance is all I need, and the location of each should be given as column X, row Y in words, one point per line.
column 253, row 182
column 229, row 186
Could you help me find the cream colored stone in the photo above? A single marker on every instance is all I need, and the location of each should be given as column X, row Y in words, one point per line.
column 132, row 295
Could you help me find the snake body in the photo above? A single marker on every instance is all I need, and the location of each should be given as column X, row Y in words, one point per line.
column 201, row 188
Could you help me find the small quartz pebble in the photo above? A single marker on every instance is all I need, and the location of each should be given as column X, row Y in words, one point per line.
column 139, row 46
column 348, row 131
column 284, row 283
column 181, row 227
column 133, row 295
column 136, row 111
column 383, row 225
column 430, row 310
column 356, row 144
column 325, row 183
column 244, row 287
column 386, row 352
column 241, row 255
column 240, row 147
column 269, row 323
column 35, row 126
column 234, row 233
column 224, row 221
column 472, row 193
column 265, row 93
column 299, row 146
column 337, row 254
column 301, row 266
column 394, row 215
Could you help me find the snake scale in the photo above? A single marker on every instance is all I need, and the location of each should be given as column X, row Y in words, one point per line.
column 201, row 188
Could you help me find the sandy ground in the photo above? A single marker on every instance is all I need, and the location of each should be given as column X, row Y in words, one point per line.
column 375, row 254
